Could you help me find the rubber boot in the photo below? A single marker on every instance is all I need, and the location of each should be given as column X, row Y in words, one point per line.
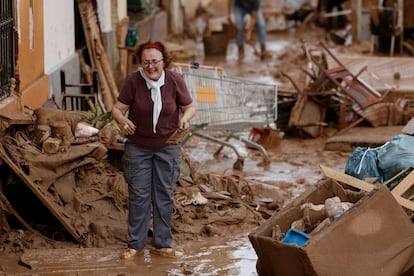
column 264, row 54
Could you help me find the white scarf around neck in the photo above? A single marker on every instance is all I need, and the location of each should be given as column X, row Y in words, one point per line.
column 155, row 87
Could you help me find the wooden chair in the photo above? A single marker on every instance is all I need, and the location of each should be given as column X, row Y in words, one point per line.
column 86, row 100
column 362, row 93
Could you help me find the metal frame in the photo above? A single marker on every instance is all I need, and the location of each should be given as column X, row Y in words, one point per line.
column 228, row 105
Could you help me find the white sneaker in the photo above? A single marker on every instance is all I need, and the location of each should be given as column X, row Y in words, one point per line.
column 130, row 252
column 167, row 252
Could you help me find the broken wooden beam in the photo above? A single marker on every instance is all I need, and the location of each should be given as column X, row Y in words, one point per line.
column 39, row 194
column 365, row 186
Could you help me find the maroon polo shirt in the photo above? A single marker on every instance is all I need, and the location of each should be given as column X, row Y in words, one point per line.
column 174, row 93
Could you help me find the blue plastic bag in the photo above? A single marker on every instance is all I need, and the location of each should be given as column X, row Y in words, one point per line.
column 363, row 163
column 396, row 156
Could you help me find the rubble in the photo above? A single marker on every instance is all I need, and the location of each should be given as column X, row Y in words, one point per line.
column 81, row 184
column 333, row 89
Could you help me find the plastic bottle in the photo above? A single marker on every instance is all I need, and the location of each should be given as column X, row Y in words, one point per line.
column 277, row 233
column 333, row 207
column 200, row 29
column 199, row 52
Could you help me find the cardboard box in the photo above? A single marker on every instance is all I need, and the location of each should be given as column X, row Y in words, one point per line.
column 374, row 237
column 268, row 137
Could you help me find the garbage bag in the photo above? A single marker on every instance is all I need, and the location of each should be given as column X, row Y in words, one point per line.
column 363, row 163
column 396, row 155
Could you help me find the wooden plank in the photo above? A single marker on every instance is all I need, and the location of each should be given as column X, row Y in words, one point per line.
column 72, row 260
column 347, row 179
column 18, row 118
column 121, row 34
column 356, row 18
column 357, row 183
column 99, row 60
column 404, row 202
column 404, row 185
column 381, row 70
column 39, row 194
column 9, row 119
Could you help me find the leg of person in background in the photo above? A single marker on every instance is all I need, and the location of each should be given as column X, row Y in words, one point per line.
column 341, row 18
column 239, row 14
column 261, row 30
column 330, row 6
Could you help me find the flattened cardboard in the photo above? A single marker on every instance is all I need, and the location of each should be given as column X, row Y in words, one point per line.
column 374, row 237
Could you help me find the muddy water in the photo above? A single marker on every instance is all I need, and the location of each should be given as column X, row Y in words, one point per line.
column 232, row 256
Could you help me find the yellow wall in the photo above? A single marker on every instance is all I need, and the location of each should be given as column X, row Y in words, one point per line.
column 33, row 84
column 30, row 60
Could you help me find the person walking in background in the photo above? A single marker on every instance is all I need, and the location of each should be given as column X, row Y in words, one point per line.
column 328, row 6
column 158, row 103
column 241, row 8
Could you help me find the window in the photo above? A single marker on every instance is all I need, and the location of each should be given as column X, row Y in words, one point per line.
column 7, row 56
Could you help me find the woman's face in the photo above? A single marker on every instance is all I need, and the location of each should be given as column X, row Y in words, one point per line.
column 152, row 63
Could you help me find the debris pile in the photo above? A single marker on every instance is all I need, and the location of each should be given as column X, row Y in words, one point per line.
column 81, row 185
column 334, row 96
column 362, row 230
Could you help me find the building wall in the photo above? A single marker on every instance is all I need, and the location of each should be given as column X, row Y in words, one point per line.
column 121, row 9
column 46, row 44
column 59, row 32
column 31, row 42
column 60, row 52
column 33, row 83
column 118, row 13
column 104, row 14
column 105, row 21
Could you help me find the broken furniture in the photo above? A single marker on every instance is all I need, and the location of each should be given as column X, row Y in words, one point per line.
column 7, row 120
column 308, row 113
column 373, row 237
column 84, row 100
column 216, row 36
column 350, row 84
column 347, row 93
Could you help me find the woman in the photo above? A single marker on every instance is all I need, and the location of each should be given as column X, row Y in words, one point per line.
column 158, row 103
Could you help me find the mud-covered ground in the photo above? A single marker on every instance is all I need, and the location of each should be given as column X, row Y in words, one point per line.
column 212, row 231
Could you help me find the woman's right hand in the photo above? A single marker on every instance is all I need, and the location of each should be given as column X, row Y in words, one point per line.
column 128, row 127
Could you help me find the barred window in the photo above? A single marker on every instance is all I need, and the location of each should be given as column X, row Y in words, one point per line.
column 7, row 55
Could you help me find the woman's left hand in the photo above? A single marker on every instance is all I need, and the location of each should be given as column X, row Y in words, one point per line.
column 188, row 113
column 184, row 124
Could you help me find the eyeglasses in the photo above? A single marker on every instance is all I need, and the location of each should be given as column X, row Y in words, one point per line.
column 151, row 62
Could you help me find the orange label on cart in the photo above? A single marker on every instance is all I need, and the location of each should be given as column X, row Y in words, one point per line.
column 206, row 94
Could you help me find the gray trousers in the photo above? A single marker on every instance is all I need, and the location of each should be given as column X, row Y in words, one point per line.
column 151, row 177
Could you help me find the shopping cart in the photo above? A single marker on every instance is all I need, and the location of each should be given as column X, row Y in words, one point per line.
column 229, row 105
